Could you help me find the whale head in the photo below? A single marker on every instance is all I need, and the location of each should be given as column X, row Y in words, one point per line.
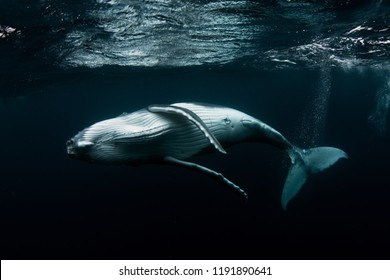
column 111, row 141
column 99, row 143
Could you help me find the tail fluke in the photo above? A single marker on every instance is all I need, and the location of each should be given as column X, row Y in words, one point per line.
column 306, row 162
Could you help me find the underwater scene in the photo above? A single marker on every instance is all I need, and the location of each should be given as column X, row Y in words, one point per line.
column 168, row 181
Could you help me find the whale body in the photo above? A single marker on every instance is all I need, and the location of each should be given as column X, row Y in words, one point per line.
column 170, row 134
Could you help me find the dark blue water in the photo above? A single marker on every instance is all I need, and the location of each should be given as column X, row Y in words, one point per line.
column 317, row 72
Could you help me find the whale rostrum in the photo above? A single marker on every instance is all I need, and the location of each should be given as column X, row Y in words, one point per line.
column 170, row 134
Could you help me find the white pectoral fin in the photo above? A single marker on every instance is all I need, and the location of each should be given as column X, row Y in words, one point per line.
column 209, row 172
column 191, row 116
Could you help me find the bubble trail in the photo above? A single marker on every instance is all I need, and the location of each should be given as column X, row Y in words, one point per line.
column 313, row 122
column 378, row 118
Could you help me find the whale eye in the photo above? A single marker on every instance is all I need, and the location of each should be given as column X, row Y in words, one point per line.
column 227, row 121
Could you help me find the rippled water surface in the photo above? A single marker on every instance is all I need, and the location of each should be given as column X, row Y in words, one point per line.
column 183, row 33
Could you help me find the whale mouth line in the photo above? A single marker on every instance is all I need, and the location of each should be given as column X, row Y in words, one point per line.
column 83, row 144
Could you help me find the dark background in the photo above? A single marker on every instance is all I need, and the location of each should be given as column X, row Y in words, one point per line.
column 54, row 207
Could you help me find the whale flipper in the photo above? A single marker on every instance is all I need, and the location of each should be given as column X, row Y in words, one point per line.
column 191, row 116
column 208, row 171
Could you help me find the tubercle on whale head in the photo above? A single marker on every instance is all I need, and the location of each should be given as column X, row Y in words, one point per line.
column 70, row 149
column 77, row 147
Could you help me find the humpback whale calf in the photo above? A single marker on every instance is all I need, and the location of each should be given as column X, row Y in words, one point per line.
column 170, row 134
